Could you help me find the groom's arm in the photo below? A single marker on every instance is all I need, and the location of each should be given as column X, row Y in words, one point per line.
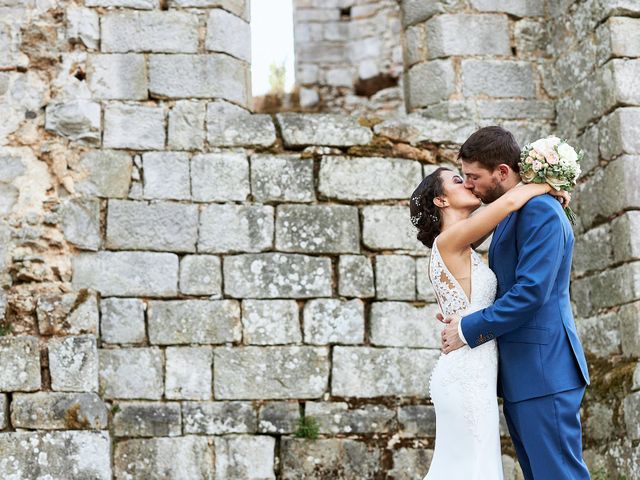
column 541, row 246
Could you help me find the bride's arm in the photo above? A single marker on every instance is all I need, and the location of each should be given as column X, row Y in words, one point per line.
column 465, row 232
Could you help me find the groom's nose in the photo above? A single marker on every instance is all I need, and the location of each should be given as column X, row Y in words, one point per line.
column 468, row 184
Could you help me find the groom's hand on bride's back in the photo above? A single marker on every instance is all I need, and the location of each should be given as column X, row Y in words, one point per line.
column 441, row 318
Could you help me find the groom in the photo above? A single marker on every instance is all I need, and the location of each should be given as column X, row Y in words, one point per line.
column 542, row 369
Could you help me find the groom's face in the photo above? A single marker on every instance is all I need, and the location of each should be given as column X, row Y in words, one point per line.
column 483, row 184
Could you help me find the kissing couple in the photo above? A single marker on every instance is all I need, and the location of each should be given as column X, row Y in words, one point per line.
column 509, row 325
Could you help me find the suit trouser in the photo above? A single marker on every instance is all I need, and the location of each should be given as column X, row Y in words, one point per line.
column 547, row 435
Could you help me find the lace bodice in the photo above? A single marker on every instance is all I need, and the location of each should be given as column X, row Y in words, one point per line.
column 451, row 296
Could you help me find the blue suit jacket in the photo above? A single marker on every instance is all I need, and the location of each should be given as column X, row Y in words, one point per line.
column 539, row 349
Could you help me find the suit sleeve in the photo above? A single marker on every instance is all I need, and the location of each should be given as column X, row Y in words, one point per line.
column 541, row 242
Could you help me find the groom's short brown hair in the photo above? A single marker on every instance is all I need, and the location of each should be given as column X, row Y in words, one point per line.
column 491, row 146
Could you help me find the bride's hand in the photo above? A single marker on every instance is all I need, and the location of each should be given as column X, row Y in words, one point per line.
column 562, row 196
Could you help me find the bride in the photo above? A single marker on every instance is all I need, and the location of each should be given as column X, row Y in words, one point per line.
column 463, row 382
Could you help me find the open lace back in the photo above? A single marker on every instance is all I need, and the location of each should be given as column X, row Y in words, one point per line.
column 449, row 292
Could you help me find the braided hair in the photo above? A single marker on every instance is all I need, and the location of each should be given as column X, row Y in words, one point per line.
column 425, row 215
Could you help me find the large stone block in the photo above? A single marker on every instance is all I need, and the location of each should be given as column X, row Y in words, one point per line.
column 58, row 411
column 317, row 229
column 336, row 418
column 333, row 321
column 600, row 334
column 168, row 458
column 374, row 372
column 620, row 133
column 70, row 313
column 83, row 26
column 276, row 178
column 629, row 329
column 516, row 109
column 147, row 419
column 497, row 78
column 416, row 11
column 417, row 420
column 269, row 275
column 118, row 77
column 219, row 418
column 279, row 417
column 160, row 31
column 229, row 125
column 134, row 127
column 395, row 277
column 4, row 411
column 250, row 457
column 81, row 222
column 86, row 454
column 625, row 231
column 518, row 8
column 322, row 129
column 220, row 177
column 618, row 37
column 448, row 122
column 328, row 458
column 270, row 322
column 270, row 372
column 610, row 288
column 77, row 120
column 189, row 373
column 199, row 76
column 166, row 175
column 235, row 228
column 399, row 324
column 73, row 363
column 389, row 227
column 108, row 173
column 139, row 4
column 122, row 320
column 594, row 202
column 240, row 8
column 407, row 461
column 178, row 322
column 632, row 415
column 201, row 275
column 229, row 34
column 131, row 373
column 161, row 226
column 356, row 179
column 429, row 83
column 483, row 35
column 187, row 125
column 355, row 276
column 20, row 360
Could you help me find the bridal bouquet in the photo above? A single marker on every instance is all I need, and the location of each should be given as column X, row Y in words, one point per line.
column 553, row 161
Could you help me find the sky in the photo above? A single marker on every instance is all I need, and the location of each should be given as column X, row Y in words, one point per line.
column 271, row 41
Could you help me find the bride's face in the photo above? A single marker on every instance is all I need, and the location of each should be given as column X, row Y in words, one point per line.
column 457, row 195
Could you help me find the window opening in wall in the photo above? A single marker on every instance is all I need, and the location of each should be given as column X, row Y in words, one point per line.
column 272, row 55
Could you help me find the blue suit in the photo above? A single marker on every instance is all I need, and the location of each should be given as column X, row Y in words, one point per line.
column 542, row 368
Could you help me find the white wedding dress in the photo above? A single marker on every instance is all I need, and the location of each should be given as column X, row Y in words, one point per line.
column 463, row 384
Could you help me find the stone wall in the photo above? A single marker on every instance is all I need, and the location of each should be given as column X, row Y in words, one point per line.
column 183, row 281
column 478, row 63
column 594, row 78
column 349, row 56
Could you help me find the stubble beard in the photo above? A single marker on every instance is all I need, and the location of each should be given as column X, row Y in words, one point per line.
column 493, row 193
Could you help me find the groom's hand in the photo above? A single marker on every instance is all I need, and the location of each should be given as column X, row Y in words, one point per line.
column 450, row 339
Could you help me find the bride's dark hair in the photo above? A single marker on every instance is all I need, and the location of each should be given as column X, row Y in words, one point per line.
column 425, row 215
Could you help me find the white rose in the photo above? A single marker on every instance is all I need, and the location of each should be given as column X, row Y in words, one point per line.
column 537, row 165
column 565, row 150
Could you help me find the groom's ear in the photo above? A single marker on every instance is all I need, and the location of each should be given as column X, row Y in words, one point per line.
column 504, row 171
